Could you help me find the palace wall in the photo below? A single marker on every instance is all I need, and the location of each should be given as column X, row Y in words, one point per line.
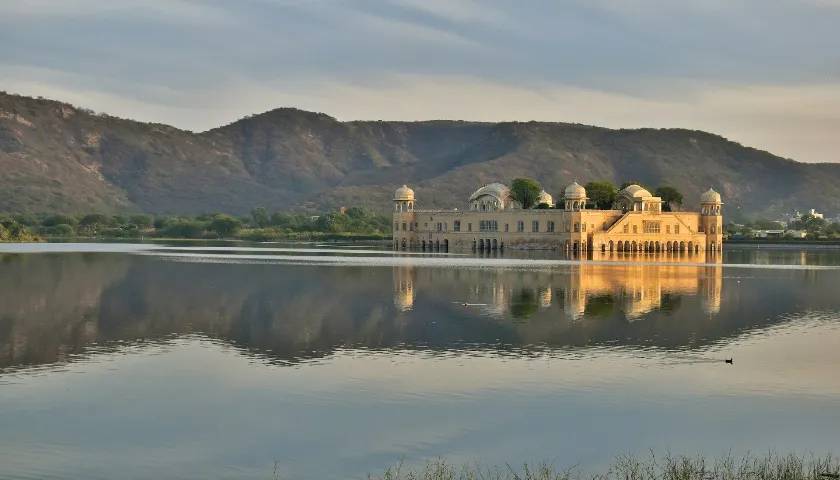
column 582, row 230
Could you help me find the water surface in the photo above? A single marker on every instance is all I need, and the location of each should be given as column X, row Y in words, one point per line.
column 222, row 361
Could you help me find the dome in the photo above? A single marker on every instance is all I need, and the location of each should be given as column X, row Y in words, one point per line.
column 544, row 197
column 711, row 196
column 575, row 190
column 404, row 193
column 498, row 190
column 636, row 191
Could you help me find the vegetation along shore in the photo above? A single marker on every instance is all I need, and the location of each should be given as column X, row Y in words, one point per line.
column 260, row 225
column 628, row 467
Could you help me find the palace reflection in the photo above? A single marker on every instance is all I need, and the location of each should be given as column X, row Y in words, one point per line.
column 56, row 308
column 633, row 288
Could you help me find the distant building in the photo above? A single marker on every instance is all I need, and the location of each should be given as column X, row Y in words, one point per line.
column 494, row 220
column 816, row 214
column 768, row 233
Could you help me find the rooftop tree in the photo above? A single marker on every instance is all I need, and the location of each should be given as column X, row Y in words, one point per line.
column 671, row 197
column 601, row 193
column 526, row 191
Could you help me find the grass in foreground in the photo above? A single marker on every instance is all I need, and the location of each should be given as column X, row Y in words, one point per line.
column 628, row 467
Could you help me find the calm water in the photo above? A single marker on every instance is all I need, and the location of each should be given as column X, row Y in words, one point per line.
column 140, row 361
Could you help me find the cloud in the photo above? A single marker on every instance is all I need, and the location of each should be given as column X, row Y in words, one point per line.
column 755, row 71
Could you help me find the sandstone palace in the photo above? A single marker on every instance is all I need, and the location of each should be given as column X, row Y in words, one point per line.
column 494, row 221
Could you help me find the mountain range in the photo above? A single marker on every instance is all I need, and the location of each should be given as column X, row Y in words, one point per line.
column 55, row 157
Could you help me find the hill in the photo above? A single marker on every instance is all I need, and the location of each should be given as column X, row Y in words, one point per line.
column 59, row 158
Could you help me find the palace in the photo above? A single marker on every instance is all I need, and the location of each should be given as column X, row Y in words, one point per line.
column 495, row 221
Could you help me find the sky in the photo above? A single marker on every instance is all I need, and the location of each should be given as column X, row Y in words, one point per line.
column 765, row 73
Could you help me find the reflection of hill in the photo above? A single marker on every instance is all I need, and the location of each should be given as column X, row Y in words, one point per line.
column 55, row 305
column 49, row 304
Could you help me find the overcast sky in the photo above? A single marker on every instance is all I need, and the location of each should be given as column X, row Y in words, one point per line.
column 765, row 73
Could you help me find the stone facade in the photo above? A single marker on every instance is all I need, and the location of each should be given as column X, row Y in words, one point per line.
column 493, row 221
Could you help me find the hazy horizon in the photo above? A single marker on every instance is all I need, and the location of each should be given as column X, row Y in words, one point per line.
column 762, row 75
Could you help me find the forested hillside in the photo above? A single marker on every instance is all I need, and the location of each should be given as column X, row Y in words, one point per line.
column 55, row 157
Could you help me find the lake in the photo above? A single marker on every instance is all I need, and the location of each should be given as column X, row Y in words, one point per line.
column 332, row 361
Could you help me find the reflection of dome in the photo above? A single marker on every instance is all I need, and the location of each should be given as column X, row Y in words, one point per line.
column 636, row 191
column 575, row 191
column 545, row 297
column 498, row 190
column 711, row 304
column 545, row 198
column 403, row 288
column 710, row 196
column 404, row 193
column 404, row 299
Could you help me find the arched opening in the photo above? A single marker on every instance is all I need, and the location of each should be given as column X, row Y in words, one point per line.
column 576, row 246
column 446, row 244
column 633, row 247
column 603, row 247
column 690, row 247
column 423, row 245
column 495, row 244
column 611, row 245
column 658, row 247
column 474, row 245
column 437, row 245
column 403, row 244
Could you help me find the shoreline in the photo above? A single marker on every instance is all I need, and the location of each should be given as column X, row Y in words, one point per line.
column 784, row 242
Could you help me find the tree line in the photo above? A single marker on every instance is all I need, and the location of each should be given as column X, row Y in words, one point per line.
column 12, row 231
column 815, row 227
column 602, row 194
column 259, row 225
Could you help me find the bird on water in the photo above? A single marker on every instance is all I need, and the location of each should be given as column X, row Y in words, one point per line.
column 729, row 361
